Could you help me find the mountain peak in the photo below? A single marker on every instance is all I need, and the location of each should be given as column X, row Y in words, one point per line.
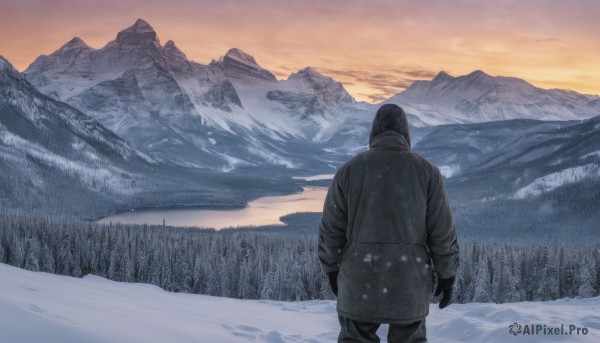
column 170, row 45
column 441, row 77
column 478, row 73
column 75, row 43
column 5, row 64
column 142, row 25
column 239, row 64
column 76, row 40
column 139, row 33
column 172, row 49
column 242, row 57
column 330, row 92
column 309, row 73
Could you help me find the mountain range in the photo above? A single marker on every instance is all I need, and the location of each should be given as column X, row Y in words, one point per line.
column 233, row 113
column 230, row 113
column 56, row 160
column 136, row 123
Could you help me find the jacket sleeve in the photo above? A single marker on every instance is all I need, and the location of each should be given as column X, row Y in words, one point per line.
column 332, row 231
column 441, row 235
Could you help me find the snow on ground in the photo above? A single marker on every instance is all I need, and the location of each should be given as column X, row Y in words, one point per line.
column 41, row 307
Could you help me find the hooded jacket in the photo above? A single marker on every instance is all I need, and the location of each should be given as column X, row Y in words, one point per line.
column 386, row 224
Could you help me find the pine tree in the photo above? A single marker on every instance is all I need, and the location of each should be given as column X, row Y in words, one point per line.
column 267, row 286
column 65, row 260
column 198, row 285
column 298, row 289
column 212, row 280
column 482, row 283
column 586, row 280
column 128, row 270
column 31, row 255
column 47, row 260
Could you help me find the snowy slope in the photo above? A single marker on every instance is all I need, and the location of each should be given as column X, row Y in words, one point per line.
column 40, row 307
column 27, row 112
column 554, row 180
column 43, row 140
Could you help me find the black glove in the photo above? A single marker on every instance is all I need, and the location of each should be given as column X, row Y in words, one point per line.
column 333, row 282
column 446, row 286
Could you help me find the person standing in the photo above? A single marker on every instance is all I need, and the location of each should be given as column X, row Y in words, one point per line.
column 386, row 227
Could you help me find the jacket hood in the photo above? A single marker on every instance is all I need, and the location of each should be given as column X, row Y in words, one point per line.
column 389, row 140
column 390, row 117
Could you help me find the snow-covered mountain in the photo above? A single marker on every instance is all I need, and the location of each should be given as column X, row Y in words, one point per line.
column 520, row 154
column 57, row 128
column 55, row 160
column 94, row 309
column 225, row 115
column 508, row 176
column 238, row 65
column 548, row 160
column 479, row 97
column 46, row 144
column 232, row 113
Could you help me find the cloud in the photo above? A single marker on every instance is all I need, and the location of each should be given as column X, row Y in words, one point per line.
column 546, row 40
column 529, row 40
column 383, row 85
column 374, row 98
column 421, row 74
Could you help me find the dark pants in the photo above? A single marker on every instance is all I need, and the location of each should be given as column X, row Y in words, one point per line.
column 353, row 331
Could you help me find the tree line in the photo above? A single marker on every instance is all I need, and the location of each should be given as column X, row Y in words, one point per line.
column 273, row 265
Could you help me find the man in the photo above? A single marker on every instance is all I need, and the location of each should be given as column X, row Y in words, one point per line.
column 386, row 227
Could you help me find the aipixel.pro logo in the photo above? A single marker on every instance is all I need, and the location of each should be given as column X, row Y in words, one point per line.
column 543, row 329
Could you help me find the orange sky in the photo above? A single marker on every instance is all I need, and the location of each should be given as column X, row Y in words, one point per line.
column 376, row 47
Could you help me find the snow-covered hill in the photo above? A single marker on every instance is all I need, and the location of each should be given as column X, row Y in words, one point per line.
column 479, row 97
column 41, row 307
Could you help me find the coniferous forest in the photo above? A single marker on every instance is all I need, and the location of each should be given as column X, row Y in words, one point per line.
column 278, row 265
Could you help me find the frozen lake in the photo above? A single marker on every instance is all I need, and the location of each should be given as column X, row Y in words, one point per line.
column 262, row 211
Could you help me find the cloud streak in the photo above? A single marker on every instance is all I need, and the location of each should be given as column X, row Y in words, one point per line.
column 382, row 85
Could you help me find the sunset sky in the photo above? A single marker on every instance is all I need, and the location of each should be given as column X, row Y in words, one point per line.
column 376, row 47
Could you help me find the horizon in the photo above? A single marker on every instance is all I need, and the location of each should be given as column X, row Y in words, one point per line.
column 546, row 60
